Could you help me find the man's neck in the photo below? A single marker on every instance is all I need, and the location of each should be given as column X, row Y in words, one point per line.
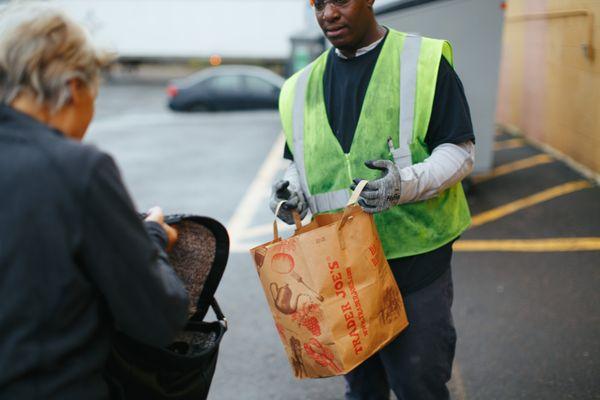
column 376, row 34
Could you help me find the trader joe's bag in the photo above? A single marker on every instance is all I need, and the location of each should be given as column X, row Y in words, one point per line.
column 333, row 297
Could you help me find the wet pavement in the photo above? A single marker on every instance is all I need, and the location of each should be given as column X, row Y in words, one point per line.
column 528, row 319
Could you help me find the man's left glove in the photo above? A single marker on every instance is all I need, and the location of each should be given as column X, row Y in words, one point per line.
column 383, row 193
column 289, row 190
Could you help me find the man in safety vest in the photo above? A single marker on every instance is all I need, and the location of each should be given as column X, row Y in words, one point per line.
column 388, row 107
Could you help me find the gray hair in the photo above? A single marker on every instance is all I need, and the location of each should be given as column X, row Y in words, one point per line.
column 41, row 50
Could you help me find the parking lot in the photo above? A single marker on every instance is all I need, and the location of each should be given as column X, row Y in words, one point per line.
column 526, row 274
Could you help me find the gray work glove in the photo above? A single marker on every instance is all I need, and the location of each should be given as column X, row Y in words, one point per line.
column 384, row 193
column 294, row 199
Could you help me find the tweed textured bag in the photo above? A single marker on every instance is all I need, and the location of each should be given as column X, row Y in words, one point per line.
column 183, row 370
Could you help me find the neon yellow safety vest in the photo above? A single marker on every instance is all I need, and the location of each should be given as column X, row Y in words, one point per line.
column 398, row 103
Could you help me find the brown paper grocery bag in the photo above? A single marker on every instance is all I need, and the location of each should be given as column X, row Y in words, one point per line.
column 331, row 292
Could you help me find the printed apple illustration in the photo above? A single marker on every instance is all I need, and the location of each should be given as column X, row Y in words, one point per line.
column 282, row 263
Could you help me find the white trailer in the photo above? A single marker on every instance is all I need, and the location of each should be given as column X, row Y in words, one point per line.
column 185, row 29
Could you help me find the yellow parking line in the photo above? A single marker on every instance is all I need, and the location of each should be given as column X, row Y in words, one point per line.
column 530, row 245
column 529, row 201
column 509, row 144
column 514, row 166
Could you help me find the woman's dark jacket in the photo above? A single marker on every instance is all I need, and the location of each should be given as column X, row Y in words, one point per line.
column 75, row 262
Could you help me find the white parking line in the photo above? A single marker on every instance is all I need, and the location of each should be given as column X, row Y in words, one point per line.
column 255, row 197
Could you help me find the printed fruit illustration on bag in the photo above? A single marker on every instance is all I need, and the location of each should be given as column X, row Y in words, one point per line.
column 282, row 263
column 321, row 354
column 308, row 316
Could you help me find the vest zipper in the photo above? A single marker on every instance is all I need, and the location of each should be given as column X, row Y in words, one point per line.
column 348, row 166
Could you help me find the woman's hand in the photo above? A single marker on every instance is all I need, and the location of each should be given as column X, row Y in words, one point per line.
column 155, row 214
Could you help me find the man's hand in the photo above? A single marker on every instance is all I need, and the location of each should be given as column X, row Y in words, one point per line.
column 294, row 200
column 155, row 214
column 381, row 194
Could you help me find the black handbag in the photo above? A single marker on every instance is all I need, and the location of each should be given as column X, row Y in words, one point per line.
column 183, row 370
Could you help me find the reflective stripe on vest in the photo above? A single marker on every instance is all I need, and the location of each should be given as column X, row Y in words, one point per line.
column 323, row 201
column 298, row 128
column 409, row 62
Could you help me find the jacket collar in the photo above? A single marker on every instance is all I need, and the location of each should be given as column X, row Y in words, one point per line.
column 21, row 122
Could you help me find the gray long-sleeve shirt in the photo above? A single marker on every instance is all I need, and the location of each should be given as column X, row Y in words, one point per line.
column 75, row 262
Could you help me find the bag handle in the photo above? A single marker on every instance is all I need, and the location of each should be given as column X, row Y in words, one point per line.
column 219, row 313
column 298, row 221
column 356, row 194
column 353, row 200
column 295, row 214
column 199, row 315
column 346, row 216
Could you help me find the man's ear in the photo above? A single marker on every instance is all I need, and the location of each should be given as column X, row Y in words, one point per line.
column 370, row 3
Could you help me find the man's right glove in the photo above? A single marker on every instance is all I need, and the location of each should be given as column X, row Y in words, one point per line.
column 288, row 190
column 383, row 193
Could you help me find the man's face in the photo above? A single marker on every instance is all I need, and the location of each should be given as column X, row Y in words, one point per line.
column 345, row 23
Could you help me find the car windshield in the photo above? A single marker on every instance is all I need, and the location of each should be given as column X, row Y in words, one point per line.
column 259, row 86
column 224, row 83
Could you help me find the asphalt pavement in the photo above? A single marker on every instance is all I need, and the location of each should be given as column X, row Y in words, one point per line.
column 527, row 304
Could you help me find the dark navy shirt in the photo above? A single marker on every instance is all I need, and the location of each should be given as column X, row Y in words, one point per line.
column 345, row 85
column 76, row 262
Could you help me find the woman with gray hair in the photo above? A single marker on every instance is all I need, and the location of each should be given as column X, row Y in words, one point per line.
column 75, row 260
